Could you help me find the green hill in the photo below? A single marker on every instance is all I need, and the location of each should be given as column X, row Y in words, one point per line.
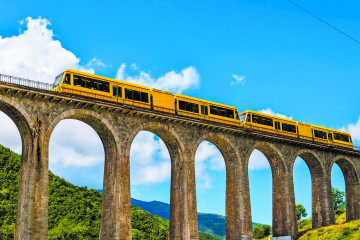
column 213, row 224
column 344, row 231
column 74, row 212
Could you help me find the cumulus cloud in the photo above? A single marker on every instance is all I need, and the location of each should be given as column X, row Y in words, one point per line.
column 237, row 79
column 149, row 160
column 170, row 81
column 208, row 158
column 75, row 144
column 9, row 134
column 271, row 112
column 258, row 161
column 34, row 54
column 353, row 129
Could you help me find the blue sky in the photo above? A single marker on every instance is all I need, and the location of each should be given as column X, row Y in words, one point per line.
column 260, row 55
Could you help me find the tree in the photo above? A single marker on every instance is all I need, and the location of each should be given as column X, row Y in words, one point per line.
column 338, row 201
column 261, row 231
column 300, row 211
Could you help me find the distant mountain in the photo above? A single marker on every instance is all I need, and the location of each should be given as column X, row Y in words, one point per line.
column 213, row 224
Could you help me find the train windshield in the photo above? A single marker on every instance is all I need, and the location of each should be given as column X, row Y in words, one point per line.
column 242, row 117
column 58, row 80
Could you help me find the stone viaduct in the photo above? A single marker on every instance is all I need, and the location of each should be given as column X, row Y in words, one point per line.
column 36, row 113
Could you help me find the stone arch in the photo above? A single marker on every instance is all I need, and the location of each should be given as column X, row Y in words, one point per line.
column 19, row 116
column 237, row 205
column 319, row 187
column 283, row 214
column 165, row 132
column 180, row 205
column 352, row 186
column 224, row 144
column 272, row 154
column 111, row 209
column 24, row 215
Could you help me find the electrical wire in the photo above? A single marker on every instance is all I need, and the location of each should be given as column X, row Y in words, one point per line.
column 333, row 27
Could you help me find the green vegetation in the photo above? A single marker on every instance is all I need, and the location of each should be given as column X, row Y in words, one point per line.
column 261, row 231
column 300, row 212
column 343, row 231
column 338, row 201
column 213, row 224
column 74, row 212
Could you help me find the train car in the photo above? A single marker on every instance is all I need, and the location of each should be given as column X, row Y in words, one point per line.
column 202, row 109
column 331, row 136
column 283, row 126
column 90, row 85
column 268, row 123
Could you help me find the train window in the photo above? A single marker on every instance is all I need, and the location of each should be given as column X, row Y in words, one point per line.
column 237, row 115
column 187, row 106
column 204, row 110
column 289, row 128
column 58, row 80
column 224, row 112
column 320, row 134
column 277, row 125
column 94, row 84
column 136, row 95
column 67, row 79
column 79, row 81
column 242, row 117
column 262, row 120
column 248, row 117
column 117, row 91
column 103, row 86
column 341, row 137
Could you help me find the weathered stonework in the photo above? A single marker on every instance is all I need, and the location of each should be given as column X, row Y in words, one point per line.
column 36, row 113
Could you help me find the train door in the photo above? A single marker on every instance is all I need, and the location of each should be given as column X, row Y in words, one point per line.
column 204, row 111
column 277, row 126
column 330, row 137
column 175, row 102
column 151, row 102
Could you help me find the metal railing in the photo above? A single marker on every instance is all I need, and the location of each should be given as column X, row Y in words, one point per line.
column 25, row 82
column 48, row 87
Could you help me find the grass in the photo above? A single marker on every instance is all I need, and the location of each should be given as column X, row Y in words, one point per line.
column 340, row 231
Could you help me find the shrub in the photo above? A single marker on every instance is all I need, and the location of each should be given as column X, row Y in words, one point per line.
column 261, row 231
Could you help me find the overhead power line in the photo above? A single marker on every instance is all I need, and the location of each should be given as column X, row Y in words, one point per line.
column 333, row 27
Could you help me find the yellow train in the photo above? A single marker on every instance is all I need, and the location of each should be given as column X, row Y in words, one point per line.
column 89, row 85
column 288, row 127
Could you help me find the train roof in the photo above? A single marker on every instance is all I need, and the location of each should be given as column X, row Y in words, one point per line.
column 269, row 115
column 107, row 79
column 205, row 101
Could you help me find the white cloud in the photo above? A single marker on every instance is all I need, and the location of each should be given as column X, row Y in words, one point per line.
column 74, row 143
column 258, row 161
column 170, row 81
column 34, row 54
column 271, row 112
column 238, row 79
column 207, row 158
column 149, row 160
column 9, row 134
column 353, row 129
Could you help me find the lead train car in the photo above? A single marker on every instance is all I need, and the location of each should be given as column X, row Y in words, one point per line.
column 89, row 85
column 284, row 126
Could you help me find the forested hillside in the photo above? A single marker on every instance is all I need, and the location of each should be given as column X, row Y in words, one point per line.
column 213, row 224
column 74, row 212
